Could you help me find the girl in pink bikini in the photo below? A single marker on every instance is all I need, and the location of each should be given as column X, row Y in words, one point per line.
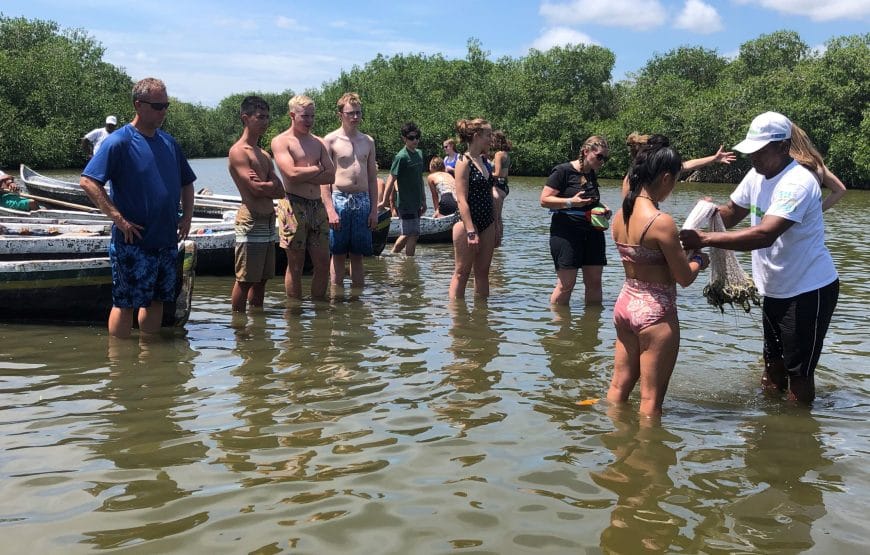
column 645, row 314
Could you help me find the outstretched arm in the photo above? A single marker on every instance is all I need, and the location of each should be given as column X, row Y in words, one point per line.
column 721, row 157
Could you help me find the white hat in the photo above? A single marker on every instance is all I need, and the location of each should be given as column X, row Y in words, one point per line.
column 4, row 175
column 766, row 128
column 111, row 120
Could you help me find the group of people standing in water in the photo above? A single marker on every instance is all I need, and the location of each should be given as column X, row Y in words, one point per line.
column 793, row 269
column 329, row 198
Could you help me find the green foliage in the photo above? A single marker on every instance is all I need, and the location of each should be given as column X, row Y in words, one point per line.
column 56, row 87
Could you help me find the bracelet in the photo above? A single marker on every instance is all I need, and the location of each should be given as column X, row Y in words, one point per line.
column 568, row 204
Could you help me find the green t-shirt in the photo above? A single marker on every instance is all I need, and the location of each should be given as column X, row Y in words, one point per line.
column 408, row 169
column 14, row 202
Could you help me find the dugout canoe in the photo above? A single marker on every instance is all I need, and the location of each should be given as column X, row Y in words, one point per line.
column 204, row 206
column 21, row 241
column 79, row 290
column 432, row 230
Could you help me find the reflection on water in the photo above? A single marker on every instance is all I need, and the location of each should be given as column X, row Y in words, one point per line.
column 388, row 420
column 642, row 520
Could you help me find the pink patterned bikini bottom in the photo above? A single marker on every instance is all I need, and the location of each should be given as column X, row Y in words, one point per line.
column 642, row 303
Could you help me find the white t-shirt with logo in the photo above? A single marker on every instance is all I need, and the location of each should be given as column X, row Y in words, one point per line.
column 96, row 137
column 798, row 261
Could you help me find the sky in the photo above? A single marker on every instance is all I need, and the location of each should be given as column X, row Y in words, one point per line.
column 207, row 50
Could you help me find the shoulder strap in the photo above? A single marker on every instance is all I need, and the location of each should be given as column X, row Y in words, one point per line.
column 646, row 227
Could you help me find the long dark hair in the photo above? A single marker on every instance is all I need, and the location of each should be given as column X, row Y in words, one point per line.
column 653, row 159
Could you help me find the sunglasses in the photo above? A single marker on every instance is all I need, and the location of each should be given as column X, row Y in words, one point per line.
column 159, row 106
column 413, row 137
column 602, row 157
column 354, row 114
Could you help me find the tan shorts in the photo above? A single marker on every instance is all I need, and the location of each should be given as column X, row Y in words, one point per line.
column 255, row 246
column 302, row 223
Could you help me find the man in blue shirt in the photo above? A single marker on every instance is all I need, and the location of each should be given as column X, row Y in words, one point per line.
column 149, row 175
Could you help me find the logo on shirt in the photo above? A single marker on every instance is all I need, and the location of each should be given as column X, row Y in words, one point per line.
column 784, row 202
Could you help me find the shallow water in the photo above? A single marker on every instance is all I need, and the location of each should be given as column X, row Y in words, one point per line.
column 386, row 421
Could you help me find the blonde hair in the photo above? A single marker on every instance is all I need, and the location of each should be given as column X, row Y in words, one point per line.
column 805, row 152
column 347, row 98
column 299, row 101
column 594, row 143
column 468, row 128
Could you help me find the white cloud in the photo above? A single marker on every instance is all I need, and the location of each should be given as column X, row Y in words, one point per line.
column 816, row 10
column 634, row 14
column 560, row 36
column 699, row 17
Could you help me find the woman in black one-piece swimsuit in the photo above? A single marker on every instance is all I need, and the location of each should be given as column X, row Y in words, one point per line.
column 474, row 234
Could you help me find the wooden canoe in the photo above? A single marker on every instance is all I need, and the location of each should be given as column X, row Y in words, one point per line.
column 79, row 290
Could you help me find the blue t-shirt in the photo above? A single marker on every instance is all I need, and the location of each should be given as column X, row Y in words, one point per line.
column 147, row 174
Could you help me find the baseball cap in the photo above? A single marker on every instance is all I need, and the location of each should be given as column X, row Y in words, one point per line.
column 766, row 128
column 111, row 120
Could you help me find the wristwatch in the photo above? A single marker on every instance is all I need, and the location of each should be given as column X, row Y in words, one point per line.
column 568, row 203
column 471, row 234
column 697, row 258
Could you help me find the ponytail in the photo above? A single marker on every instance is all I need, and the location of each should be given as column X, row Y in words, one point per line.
column 654, row 159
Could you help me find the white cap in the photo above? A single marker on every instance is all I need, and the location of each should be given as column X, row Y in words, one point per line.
column 111, row 120
column 766, row 128
column 4, row 175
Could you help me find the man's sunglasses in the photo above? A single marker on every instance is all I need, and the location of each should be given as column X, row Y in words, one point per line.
column 602, row 157
column 159, row 106
column 413, row 137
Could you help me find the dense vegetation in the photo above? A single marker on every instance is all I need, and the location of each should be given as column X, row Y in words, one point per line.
column 55, row 87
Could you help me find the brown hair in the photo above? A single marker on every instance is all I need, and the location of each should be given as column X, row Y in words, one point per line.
column 635, row 141
column 468, row 128
column 347, row 98
column 144, row 87
column 500, row 142
column 436, row 164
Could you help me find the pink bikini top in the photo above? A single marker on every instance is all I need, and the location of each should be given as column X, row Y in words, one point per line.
column 638, row 254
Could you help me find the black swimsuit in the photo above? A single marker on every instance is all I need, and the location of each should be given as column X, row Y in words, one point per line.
column 479, row 198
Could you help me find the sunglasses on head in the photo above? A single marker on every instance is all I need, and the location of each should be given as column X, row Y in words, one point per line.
column 159, row 106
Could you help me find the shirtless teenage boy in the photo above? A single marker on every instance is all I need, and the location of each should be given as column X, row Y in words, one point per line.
column 308, row 172
column 254, row 175
column 354, row 192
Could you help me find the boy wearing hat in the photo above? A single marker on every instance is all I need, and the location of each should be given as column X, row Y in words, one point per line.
column 93, row 139
column 791, row 265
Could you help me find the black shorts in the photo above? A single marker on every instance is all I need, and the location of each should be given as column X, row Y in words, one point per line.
column 795, row 328
column 583, row 246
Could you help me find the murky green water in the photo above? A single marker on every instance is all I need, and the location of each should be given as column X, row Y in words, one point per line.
column 388, row 422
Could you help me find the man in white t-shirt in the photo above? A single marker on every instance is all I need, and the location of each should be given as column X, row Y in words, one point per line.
column 94, row 138
column 791, row 265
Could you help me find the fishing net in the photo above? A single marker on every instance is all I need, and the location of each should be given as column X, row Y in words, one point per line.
column 728, row 282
